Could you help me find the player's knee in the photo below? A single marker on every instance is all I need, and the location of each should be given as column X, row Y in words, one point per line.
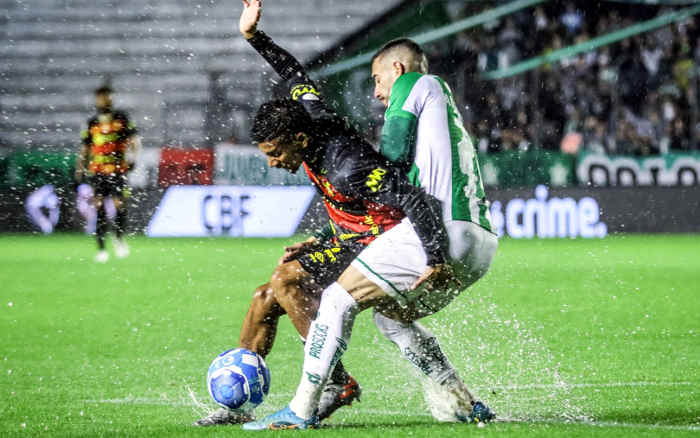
column 387, row 326
column 286, row 275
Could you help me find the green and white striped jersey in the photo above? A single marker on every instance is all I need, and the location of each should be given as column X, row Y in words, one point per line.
column 423, row 131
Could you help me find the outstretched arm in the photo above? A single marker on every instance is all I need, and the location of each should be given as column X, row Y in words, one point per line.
column 252, row 9
column 281, row 60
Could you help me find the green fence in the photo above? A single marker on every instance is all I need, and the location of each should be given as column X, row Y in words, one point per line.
column 527, row 168
column 29, row 169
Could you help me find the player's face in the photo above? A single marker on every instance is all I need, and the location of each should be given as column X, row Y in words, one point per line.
column 103, row 101
column 384, row 74
column 284, row 154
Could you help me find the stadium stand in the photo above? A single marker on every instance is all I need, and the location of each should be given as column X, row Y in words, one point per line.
column 636, row 97
column 177, row 66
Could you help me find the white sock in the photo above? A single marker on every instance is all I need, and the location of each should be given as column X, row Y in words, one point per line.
column 419, row 346
column 326, row 342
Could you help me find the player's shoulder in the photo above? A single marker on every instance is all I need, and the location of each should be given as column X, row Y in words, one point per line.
column 304, row 90
column 414, row 87
column 352, row 153
column 412, row 80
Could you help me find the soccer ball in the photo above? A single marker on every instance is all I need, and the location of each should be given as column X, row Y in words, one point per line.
column 238, row 379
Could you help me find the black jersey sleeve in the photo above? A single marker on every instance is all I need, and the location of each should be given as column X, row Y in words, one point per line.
column 371, row 177
column 301, row 87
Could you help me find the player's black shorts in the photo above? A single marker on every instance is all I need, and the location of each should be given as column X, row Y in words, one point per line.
column 109, row 185
column 326, row 261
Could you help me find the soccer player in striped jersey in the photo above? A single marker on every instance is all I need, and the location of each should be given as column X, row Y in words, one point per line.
column 424, row 135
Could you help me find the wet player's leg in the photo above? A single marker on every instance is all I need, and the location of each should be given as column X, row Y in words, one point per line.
column 260, row 322
column 120, row 193
column 98, row 186
column 298, row 294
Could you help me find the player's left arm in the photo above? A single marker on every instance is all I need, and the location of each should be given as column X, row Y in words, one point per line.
column 399, row 133
column 377, row 181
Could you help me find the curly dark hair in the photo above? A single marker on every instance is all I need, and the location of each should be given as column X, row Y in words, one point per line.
column 279, row 118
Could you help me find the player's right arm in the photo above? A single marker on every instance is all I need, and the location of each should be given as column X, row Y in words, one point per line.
column 302, row 88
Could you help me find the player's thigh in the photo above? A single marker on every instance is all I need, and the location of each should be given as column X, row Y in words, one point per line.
column 478, row 246
column 100, row 189
column 393, row 261
column 364, row 291
column 119, row 190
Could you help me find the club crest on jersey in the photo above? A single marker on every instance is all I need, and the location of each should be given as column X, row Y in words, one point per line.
column 374, row 179
column 305, row 91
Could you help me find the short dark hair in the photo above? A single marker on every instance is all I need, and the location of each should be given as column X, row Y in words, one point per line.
column 279, row 118
column 421, row 60
column 104, row 89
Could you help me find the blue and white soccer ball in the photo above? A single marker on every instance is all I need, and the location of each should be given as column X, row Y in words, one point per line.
column 238, row 379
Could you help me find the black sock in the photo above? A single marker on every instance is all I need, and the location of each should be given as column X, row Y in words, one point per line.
column 339, row 374
column 120, row 222
column 101, row 228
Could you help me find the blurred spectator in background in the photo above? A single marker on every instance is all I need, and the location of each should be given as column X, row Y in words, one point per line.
column 636, row 96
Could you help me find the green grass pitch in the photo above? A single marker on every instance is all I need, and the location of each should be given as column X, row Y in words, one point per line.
column 561, row 338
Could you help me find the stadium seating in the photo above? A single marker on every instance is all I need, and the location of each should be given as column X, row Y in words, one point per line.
column 161, row 57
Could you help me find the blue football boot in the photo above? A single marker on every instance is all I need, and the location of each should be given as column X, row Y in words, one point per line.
column 282, row 419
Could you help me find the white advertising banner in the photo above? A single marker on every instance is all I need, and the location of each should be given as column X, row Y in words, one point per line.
column 249, row 211
column 246, row 165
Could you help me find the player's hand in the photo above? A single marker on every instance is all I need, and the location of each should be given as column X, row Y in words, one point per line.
column 250, row 17
column 438, row 277
column 292, row 250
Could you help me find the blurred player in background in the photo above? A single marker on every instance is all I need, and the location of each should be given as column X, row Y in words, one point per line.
column 109, row 148
column 397, row 273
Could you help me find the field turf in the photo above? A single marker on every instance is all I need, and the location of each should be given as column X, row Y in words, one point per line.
column 561, row 338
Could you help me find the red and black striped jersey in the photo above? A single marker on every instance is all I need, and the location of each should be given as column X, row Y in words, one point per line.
column 363, row 192
column 106, row 138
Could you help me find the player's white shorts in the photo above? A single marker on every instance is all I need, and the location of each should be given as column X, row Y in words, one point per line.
column 396, row 259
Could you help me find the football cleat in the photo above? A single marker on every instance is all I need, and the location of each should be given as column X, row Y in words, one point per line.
column 101, row 256
column 282, row 419
column 337, row 395
column 223, row 416
column 480, row 414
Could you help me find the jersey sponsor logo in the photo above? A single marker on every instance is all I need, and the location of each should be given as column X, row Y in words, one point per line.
column 318, row 339
column 374, row 179
column 547, row 217
column 373, row 227
column 305, row 91
column 327, row 254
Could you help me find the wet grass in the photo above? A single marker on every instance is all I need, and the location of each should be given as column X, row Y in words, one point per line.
column 563, row 337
